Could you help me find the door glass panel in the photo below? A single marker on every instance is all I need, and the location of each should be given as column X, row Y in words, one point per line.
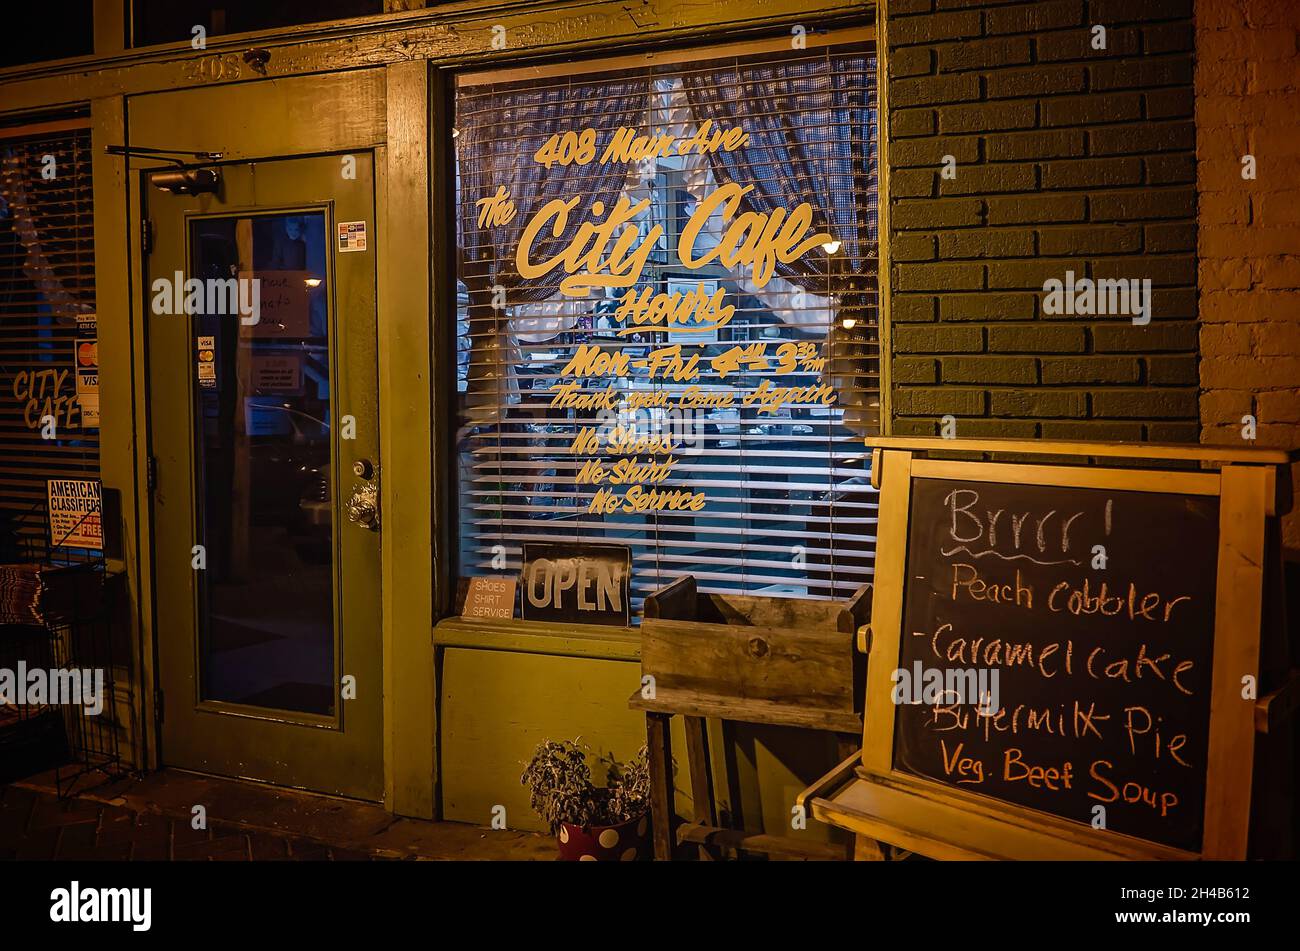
column 264, row 483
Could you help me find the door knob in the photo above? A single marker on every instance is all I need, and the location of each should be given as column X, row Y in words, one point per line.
column 363, row 507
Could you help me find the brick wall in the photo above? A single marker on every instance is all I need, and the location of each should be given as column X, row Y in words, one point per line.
column 1247, row 76
column 1068, row 158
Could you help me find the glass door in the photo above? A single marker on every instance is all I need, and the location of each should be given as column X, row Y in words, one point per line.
column 263, row 427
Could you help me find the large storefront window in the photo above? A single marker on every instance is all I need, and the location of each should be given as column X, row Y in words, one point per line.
column 668, row 318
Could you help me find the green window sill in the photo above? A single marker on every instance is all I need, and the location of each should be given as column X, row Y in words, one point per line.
column 539, row 637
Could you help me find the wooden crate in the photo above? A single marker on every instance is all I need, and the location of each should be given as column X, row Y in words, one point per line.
column 786, row 661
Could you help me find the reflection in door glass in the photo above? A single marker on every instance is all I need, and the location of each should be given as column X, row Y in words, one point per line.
column 263, row 463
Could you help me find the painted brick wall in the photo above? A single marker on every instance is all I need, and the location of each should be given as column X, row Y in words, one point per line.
column 1068, row 158
column 1247, row 78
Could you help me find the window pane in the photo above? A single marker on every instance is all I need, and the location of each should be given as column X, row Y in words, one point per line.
column 167, row 21
column 32, row 35
column 47, row 317
column 263, row 400
column 667, row 329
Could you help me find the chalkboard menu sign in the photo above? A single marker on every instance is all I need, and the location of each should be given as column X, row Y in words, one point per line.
column 1073, row 629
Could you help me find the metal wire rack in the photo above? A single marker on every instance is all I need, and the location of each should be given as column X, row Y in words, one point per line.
column 56, row 644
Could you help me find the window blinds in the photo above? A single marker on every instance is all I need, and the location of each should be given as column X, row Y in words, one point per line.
column 758, row 418
column 47, row 281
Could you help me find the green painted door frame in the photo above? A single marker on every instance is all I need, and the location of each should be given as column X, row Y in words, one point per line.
column 382, row 112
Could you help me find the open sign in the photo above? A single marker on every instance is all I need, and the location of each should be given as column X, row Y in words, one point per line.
column 583, row 584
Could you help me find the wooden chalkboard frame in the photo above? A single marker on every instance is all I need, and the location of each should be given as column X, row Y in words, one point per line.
column 1246, row 486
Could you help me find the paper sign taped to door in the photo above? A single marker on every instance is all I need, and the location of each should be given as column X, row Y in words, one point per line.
column 277, row 373
column 284, row 304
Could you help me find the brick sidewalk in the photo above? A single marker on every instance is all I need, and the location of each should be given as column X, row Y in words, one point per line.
column 150, row 820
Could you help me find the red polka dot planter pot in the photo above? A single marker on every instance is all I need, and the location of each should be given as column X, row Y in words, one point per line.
column 625, row 842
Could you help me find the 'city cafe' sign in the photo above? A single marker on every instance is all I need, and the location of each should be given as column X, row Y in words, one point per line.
column 631, row 471
column 752, row 240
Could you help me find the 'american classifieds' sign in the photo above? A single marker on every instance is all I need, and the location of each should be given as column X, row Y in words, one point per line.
column 74, row 507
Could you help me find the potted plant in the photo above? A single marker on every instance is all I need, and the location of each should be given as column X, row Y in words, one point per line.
column 591, row 823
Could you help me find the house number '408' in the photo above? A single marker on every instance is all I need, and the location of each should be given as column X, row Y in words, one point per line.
column 215, row 68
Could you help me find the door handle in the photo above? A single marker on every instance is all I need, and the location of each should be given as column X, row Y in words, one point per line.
column 363, row 506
